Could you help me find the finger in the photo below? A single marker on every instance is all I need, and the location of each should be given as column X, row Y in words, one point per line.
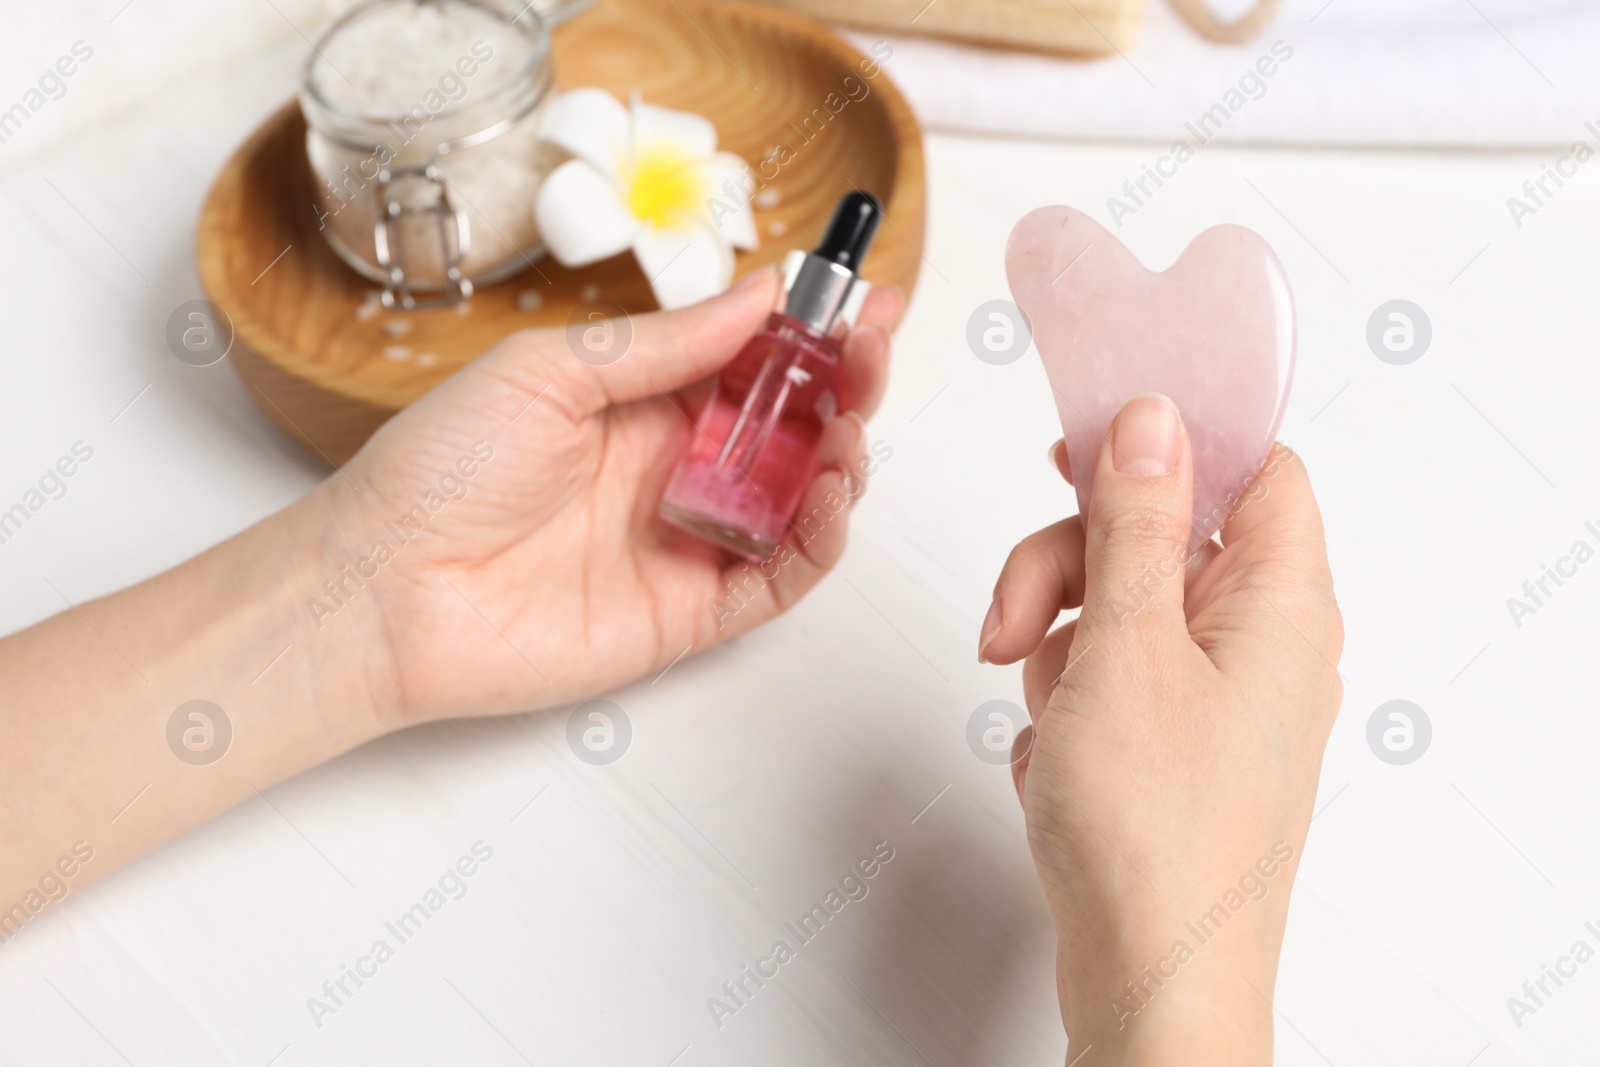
column 1042, row 577
column 671, row 349
column 865, row 369
column 816, row 538
column 1060, row 460
column 1276, row 532
column 1279, row 503
column 882, row 306
column 691, row 400
column 1198, row 561
column 1043, row 669
column 1137, row 532
column 1021, row 750
column 843, row 447
column 817, row 531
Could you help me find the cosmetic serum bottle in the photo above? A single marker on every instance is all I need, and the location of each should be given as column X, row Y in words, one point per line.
column 754, row 449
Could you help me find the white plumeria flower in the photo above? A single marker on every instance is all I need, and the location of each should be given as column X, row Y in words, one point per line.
column 650, row 179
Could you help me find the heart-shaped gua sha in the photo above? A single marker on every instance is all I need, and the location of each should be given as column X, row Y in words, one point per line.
column 1215, row 332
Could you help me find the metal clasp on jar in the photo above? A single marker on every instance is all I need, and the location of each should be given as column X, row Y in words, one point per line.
column 455, row 238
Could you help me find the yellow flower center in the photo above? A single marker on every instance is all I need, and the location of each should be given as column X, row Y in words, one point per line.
column 664, row 186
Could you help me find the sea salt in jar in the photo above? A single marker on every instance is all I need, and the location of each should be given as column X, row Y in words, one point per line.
column 422, row 129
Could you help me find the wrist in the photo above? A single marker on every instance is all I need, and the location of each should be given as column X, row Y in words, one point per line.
column 1191, row 1001
column 239, row 625
column 314, row 607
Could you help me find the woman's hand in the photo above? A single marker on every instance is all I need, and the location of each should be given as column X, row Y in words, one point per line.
column 543, row 575
column 1178, row 730
column 493, row 548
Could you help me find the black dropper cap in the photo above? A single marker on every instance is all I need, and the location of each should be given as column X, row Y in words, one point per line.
column 850, row 232
column 820, row 284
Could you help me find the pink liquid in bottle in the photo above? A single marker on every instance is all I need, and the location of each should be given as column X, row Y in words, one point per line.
column 754, row 449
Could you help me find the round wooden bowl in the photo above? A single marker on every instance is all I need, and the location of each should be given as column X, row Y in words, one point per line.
column 315, row 360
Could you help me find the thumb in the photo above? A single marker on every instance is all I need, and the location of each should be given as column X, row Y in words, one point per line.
column 1136, row 537
column 667, row 350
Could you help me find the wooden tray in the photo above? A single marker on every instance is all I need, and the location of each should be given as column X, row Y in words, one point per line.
column 317, row 367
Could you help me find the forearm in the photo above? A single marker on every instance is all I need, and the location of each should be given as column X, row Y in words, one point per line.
column 88, row 697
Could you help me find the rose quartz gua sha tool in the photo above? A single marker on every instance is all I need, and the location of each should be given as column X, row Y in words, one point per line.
column 1215, row 332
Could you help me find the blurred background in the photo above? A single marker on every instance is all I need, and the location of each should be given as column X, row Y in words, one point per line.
column 1490, row 73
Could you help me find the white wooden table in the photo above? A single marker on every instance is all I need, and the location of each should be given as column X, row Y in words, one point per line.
column 623, row 897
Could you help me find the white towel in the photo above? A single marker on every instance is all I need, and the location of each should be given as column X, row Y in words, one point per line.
column 1477, row 73
column 1505, row 73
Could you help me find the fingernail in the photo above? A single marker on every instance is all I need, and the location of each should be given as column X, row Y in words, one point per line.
column 1145, row 437
column 991, row 628
column 1054, row 454
column 753, row 279
column 855, row 476
column 881, row 332
column 900, row 298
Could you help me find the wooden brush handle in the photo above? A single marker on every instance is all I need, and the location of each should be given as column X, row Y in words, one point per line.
column 1080, row 27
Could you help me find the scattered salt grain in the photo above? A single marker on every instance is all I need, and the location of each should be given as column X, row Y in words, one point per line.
column 589, row 294
column 427, row 359
column 397, row 327
column 777, row 227
column 529, row 300
column 768, row 198
column 398, row 353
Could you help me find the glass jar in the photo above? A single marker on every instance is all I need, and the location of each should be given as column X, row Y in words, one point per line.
column 555, row 12
column 422, row 130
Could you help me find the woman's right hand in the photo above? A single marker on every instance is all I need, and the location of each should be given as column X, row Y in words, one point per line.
column 1178, row 729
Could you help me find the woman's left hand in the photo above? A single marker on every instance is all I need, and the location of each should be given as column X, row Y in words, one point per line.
column 534, row 570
